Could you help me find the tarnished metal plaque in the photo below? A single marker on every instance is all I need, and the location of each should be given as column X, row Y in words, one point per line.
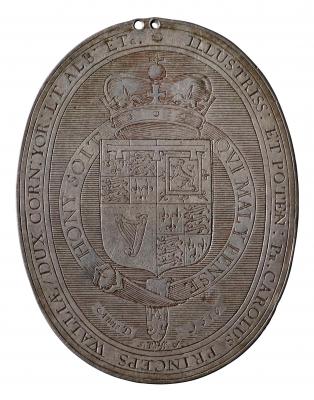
column 157, row 200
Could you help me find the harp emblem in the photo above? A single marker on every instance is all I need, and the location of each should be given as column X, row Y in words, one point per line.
column 132, row 231
column 156, row 202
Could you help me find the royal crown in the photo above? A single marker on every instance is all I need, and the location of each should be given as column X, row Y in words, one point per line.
column 183, row 99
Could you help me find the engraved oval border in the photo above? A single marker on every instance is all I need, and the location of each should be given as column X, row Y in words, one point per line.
column 290, row 165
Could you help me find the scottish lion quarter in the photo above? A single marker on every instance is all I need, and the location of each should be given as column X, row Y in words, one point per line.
column 157, row 201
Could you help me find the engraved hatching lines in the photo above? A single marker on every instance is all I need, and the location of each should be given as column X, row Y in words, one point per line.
column 170, row 253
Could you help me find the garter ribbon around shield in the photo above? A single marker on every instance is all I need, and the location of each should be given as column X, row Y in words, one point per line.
column 156, row 192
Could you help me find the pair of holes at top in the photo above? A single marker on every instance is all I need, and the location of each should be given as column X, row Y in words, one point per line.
column 140, row 25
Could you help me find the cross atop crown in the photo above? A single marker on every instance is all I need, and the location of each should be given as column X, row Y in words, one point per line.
column 156, row 59
column 186, row 95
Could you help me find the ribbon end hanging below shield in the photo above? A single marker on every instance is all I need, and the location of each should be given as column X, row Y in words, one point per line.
column 157, row 318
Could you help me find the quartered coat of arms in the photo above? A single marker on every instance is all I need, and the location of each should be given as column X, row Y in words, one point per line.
column 157, row 201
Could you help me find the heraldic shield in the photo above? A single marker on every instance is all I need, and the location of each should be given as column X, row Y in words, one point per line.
column 156, row 202
column 156, row 196
column 156, row 190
